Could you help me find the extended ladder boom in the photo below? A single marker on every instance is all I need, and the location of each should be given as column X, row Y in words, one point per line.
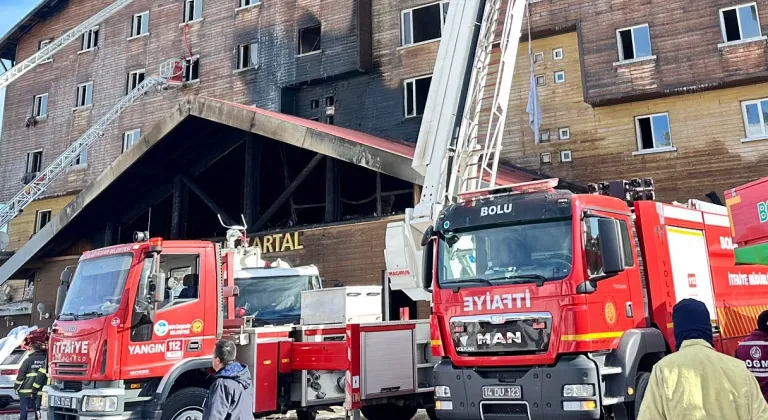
column 49, row 174
column 47, row 52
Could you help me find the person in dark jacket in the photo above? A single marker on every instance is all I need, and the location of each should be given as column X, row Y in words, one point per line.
column 231, row 396
column 31, row 379
column 753, row 351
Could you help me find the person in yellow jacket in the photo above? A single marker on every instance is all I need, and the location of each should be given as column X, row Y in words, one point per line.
column 30, row 380
column 697, row 382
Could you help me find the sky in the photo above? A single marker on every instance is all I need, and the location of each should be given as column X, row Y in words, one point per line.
column 12, row 11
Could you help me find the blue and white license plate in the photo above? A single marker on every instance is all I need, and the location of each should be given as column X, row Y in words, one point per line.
column 503, row 392
column 58, row 401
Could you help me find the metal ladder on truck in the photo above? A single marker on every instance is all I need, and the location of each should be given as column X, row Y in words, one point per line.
column 170, row 74
column 451, row 152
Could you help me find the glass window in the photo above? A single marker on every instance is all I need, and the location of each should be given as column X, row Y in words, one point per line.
column 273, row 300
column 97, row 287
column 423, row 23
column 634, row 42
column 740, row 23
column 653, row 132
column 755, row 118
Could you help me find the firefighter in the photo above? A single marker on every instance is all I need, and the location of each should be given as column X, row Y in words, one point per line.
column 30, row 380
column 753, row 351
column 697, row 382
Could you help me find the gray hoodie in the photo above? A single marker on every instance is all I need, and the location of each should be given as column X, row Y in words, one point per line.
column 231, row 396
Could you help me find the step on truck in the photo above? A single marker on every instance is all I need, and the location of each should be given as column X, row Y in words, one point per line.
column 549, row 304
column 137, row 324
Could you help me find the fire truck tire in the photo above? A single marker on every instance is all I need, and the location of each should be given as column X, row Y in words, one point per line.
column 389, row 412
column 306, row 414
column 183, row 400
column 641, row 384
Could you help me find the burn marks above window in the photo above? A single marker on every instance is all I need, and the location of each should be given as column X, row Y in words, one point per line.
column 309, row 39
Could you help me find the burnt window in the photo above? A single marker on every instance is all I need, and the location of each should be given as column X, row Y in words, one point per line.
column 314, row 103
column 424, row 23
column 309, row 39
column 34, row 161
column 416, row 91
column 329, row 119
column 90, row 39
column 329, row 101
column 135, row 78
column 42, row 218
column 740, row 23
column 248, row 56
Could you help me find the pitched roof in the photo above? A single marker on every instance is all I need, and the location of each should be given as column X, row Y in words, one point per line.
column 43, row 11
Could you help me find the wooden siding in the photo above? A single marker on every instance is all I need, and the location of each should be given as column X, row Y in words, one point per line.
column 706, row 128
column 21, row 229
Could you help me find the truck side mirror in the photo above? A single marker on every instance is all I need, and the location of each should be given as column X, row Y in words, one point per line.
column 611, row 247
column 157, row 287
column 427, row 257
column 61, row 292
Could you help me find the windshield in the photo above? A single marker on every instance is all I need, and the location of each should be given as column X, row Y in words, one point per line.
column 272, row 299
column 526, row 253
column 97, row 287
column 14, row 358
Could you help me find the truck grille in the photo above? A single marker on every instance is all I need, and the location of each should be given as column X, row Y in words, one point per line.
column 72, row 386
column 70, row 369
column 504, row 410
column 526, row 333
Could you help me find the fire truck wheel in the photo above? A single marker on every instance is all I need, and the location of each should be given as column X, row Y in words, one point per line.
column 306, row 414
column 186, row 403
column 389, row 412
column 641, row 384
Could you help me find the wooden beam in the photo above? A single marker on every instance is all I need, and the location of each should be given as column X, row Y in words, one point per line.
column 148, row 198
column 209, row 202
column 252, row 182
column 378, row 194
column 287, row 193
column 332, row 191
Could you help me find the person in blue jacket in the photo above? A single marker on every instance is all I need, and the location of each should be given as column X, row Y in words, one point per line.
column 231, row 396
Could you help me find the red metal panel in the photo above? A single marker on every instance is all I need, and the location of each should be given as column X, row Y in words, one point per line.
column 266, row 366
column 319, row 356
column 328, row 331
column 352, row 380
column 748, row 211
column 285, row 356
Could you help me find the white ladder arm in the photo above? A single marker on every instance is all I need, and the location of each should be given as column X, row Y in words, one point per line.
column 44, row 178
column 47, row 52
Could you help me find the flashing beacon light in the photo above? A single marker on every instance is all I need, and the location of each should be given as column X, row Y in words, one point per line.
column 156, row 245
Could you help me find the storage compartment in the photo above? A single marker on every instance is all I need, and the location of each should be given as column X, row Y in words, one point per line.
column 388, row 363
column 319, row 387
column 341, row 305
column 748, row 211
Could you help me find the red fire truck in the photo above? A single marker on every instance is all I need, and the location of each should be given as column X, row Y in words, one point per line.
column 546, row 305
column 134, row 336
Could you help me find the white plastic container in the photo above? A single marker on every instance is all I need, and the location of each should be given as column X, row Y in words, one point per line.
column 341, row 305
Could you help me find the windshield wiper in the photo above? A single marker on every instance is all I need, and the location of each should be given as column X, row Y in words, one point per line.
column 457, row 285
column 537, row 278
column 88, row 315
column 68, row 315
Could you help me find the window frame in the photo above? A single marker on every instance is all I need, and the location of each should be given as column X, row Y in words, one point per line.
column 251, row 3
column 559, row 72
column 188, row 68
column 87, row 96
column 405, row 96
column 85, row 37
column 563, row 153
column 738, row 19
column 541, row 77
column 545, row 158
column 538, row 54
column 567, row 131
column 35, row 113
column 620, row 48
column 403, row 12
column 38, row 228
column 299, row 39
column 40, row 163
column 134, row 33
column 557, row 50
column 195, row 10
column 129, row 86
column 40, row 47
column 250, row 47
column 744, row 105
column 134, row 138
column 81, row 160
column 639, row 135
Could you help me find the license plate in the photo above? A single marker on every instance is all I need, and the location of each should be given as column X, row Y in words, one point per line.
column 57, row 401
column 502, row 391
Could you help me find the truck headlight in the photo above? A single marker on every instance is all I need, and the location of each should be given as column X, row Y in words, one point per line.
column 583, row 390
column 100, row 404
column 44, row 400
column 442, row 391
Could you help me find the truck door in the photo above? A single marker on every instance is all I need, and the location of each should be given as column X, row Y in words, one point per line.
column 176, row 332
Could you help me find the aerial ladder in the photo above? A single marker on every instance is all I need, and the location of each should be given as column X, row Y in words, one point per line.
column 452, row 152
column 170, row 75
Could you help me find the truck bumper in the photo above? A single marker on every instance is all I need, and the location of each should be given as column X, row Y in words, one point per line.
column 63, row 405
column 541, row 396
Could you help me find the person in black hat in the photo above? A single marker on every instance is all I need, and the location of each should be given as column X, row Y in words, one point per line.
column 697, row 382
column 30, row 380
column 753, row 351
